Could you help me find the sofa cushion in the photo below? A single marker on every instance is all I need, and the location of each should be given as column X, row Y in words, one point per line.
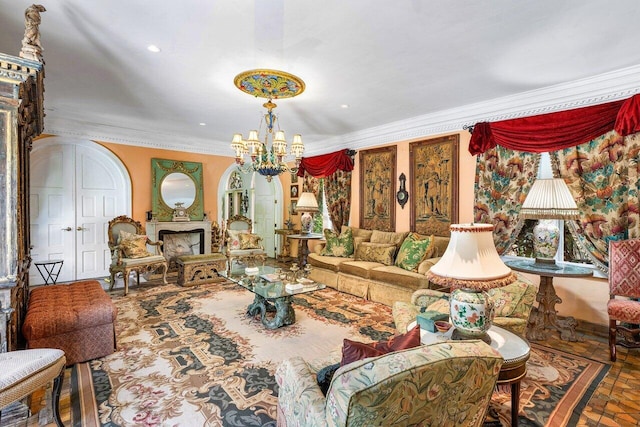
column 365, row 235
column 353, row 350
column 388, row 237
column 133, row 245
column 399, row 276
column 340, row 245
column 234, row 239
column 359, row 235
column 249, row 241
column 359, row 268
column 327, row 262
column 383, row 253
column 439, row 246
column 413, row 250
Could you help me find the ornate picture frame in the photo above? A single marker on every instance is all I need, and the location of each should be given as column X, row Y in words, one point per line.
column 293, row 191
column 378, row 188
column 161, row 170
column 434, row 184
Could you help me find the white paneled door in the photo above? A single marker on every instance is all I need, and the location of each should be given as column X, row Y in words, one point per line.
column 76, row 189
column 264, row 215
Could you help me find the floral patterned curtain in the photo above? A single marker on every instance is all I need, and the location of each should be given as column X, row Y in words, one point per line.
column 603, row 177
column 311, row 184
column 503, row 180
column 337, row 188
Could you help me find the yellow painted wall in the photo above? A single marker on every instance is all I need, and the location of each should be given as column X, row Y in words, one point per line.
column 137, row 160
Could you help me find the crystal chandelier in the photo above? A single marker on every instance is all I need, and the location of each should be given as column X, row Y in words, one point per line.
column 267, row 154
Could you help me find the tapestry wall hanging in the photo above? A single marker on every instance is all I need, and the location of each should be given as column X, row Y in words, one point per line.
column 434, row 185
column 378, row 189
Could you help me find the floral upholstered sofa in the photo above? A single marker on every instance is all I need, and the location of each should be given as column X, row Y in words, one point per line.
column 376, row 265
column 512, row 304
column 447, row 383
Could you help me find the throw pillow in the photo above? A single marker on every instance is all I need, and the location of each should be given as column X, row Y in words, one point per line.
column 133, row 245
column 376, row 252
column 324, row 377
column 249, row 241
column 353, row 350
column 340, row 245
column 412, row 251
column 234, row 239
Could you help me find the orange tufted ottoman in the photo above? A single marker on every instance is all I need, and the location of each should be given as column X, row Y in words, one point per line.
column 78, row 318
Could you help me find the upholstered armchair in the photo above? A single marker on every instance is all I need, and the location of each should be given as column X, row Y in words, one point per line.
column 623, row 306
column 513, row 304
column 128, row 245
column 447, row 383
column 241, row 244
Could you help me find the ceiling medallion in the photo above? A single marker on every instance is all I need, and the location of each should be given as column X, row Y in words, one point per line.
column 267, row 153
column 271, row 84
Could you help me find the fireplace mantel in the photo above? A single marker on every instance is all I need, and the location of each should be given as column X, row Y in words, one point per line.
column 154, row 229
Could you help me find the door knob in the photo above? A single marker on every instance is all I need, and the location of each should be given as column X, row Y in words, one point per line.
column 81, row 228
column 67, row 229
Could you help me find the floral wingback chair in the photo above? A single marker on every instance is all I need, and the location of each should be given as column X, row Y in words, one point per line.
column 447, row 383
column 513, row 304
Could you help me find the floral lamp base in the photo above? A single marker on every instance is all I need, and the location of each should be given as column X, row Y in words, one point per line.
column 471, row 313
column 546, row 238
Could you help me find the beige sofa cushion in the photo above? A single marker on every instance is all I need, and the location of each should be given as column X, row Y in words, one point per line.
column 359, row 268
column 438, row 246
column 327, row 262
column 388, row 237
column 399, row 276
column 359, row 235
column 383, row 253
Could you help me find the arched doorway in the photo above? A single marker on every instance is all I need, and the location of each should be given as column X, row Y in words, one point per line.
column 76, row 188
column 265, row 204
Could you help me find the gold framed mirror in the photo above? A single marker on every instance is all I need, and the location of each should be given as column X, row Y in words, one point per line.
column 176, row 183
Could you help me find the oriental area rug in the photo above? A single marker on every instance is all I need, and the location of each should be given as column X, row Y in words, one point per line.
column 191, row 357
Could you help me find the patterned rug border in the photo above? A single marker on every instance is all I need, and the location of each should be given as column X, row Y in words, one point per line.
column 568, row 412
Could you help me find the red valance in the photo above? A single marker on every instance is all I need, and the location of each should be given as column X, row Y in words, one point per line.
column 555, row 131
column 326, row 164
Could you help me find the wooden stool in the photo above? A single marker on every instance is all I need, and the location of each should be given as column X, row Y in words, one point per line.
column 198, row 269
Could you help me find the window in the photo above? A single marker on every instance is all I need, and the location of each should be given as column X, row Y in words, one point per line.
column 568, row 250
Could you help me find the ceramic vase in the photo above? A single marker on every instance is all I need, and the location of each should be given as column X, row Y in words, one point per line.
column 471, row 312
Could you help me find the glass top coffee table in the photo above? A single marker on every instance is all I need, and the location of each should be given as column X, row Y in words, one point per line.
column 272, row 299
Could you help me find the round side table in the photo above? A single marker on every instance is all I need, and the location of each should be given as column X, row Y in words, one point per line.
column 545, row 317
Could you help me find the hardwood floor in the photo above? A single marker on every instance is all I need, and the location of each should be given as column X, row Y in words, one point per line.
column 615, row 402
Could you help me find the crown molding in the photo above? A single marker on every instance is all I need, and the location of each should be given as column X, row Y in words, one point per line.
column 594, row 90
column 612, row 86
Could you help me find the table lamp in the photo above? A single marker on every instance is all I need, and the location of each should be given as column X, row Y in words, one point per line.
column 548, row 199
column 307, row 204
column 470, row 266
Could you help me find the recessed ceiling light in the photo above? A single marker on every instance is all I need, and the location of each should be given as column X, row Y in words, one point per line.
column 344, row 106
column 153, row 48
column 202, row 124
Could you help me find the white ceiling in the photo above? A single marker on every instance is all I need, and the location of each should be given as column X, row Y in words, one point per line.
column 405, row 68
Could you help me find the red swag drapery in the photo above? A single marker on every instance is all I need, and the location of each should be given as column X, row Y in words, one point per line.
column 325, row 164
column 555, row 131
